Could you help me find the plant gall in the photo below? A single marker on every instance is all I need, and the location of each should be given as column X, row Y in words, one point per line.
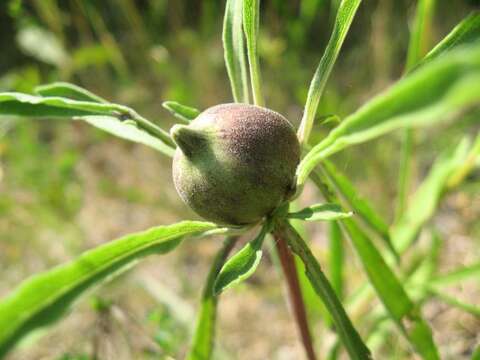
column 235, row 163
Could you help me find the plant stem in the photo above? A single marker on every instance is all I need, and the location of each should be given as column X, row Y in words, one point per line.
column 296, row 299
column 203, row 339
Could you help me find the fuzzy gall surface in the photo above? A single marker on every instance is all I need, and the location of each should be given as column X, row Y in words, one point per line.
column 235, row 163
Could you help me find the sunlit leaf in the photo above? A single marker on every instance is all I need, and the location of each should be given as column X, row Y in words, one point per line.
column 19, row 104
column 234, row 50
column 251, row 19
column 471, row 160
column 390, row 290
column 326, row 212
column 417, row 46
column 127, row 130
column 466, row 32
column 242, row 264
column 458, row 275
column 455, row 302
column 45, row 297
column 180, row 111
column 203, row 338
column 359, row 205
column 437, row 91
column 344, row 19
column 425, row 200
column 388, row 287
column 347, row 333
column 71, row 91
column 336, row 257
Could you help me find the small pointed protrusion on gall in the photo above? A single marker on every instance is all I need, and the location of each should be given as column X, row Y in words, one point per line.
column 189, row 140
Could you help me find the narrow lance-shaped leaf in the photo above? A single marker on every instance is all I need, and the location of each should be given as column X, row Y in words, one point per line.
column 180, row 111
column 243, row 263
column 336, row 257
column 393, row 295
column 318, row 212
column 381, row 327
column 417, row 48
column 127, row 130
column 455, row 302
column 388, row 287
column 251, row 19
column 45, row 297
column 457, row 275
column 424, row 201
column 347, row 333
column 234, row 50
column 437, row 91
column 314, row 305
column 344, row 19
column 203, row 338
column 19, row 104
column 418, row 43
column 466, row 32
column 405, row 171
column 466, row 166
column 360, row 205
column 71, row 91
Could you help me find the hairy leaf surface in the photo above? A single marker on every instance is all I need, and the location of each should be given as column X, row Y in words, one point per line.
column 45, row 297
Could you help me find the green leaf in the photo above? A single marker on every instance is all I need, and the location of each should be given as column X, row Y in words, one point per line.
column 467, row 166
column 466, row 32
column 417, row 46
column 127, row 130
column 436, row 91
column 315, row 308
column 234, row 50
column 405, row 171
column 388, row 287
column 415, row 282
column 203, row 338
column 344, row 327
column 251, row 19
column 457, row 275
column 19, row 104
column 242, row 264
column 476, row 353
column 455, row 302
column 344, row 19
column 392, row 294
column 425, row 200
column 325, row 212
column 71, row 91
column 182, row 112
column 45, row 297
column 360, row 205
column 336, row 257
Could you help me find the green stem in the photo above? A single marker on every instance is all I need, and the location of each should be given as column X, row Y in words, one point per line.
column 202, row 343
column 145, row 124
column 405, row 173
column 347, row 333
column 295, row 293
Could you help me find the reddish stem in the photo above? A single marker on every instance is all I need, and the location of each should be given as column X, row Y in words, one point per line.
column 295, row 293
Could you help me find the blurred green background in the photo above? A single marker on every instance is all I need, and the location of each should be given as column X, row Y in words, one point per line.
column 65, row 187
